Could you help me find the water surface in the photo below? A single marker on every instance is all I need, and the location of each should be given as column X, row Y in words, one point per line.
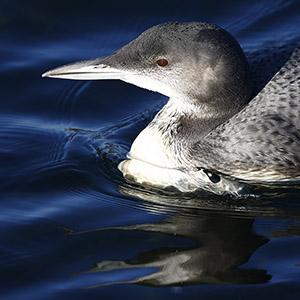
column 71, row 227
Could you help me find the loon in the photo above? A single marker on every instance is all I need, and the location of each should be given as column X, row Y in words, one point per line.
column 210, row 135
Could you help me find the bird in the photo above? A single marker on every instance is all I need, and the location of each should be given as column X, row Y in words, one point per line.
column 212, row 134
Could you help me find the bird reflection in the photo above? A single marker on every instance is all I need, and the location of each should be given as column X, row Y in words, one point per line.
column 221, row 244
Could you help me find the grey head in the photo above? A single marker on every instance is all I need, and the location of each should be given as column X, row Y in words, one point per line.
column 197, row 62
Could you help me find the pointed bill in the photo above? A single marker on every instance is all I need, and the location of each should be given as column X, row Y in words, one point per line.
column 93, row 69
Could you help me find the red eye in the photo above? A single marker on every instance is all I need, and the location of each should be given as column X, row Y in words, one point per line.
column 162, row 62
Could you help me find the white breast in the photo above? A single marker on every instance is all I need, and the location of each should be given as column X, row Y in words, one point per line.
column 151, row 162
column 150, row 147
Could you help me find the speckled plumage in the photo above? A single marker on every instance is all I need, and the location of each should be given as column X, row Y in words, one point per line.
column 261, row 142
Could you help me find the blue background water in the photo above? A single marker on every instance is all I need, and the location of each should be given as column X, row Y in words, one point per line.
column 68, row 219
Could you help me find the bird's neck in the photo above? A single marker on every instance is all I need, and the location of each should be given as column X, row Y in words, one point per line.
column 168, row 138
column 188, row 122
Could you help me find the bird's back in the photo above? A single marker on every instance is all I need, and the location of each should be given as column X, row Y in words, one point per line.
column 262, row 141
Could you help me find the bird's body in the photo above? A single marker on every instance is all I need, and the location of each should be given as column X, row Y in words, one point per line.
column 261, row 142
column 207, row 133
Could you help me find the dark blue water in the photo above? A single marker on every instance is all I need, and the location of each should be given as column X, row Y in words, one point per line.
column 71, row 227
